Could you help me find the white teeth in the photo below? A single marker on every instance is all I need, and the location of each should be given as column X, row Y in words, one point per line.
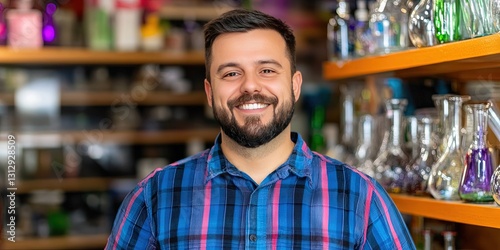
column 253, row 106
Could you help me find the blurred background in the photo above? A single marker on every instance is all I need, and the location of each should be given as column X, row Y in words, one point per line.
column 96, row 94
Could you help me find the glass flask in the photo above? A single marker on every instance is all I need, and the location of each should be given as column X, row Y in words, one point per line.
column 419, row 168
column 444, row 179
column 494, row 122
column 366, row 151
column 391, row 161
column 447, row 15
column 495, row 14
column 475, row 182
column 389, row 26
column 421, row 25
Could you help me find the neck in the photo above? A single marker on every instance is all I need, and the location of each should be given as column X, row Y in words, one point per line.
column 258, row 162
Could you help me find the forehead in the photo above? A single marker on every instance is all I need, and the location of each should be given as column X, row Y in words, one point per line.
column 256, row 44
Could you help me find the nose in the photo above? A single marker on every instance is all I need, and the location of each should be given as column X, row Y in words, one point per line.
column 250, row 84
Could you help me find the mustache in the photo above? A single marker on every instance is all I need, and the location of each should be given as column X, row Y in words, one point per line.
column 255, row 97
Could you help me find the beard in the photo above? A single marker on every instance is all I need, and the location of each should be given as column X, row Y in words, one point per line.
column 254, row 133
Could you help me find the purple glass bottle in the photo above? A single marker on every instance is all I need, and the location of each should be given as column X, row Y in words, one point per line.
column 476, row 177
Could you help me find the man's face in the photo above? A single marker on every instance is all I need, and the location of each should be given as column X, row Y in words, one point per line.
column 252, row 92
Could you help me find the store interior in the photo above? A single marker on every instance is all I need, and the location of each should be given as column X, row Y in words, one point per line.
column 96, row 94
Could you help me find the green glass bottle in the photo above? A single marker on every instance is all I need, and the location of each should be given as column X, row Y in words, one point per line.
column 447, row 16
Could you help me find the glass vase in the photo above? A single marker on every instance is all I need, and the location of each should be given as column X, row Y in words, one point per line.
column 391, row 161
column 421, row 25
column 419, row 168
column 445, row 176
column 475, row 183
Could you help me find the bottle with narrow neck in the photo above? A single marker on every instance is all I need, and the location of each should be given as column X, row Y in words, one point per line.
column 340, row 33
column 476, row 177
column 445, row 176
column 391, row 160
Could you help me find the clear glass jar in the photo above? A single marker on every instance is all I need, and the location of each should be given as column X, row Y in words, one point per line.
column 445, row 176
column 421, row 24
column 389, row 26
column 391, row 161
column 475, row 182
column 419, row 168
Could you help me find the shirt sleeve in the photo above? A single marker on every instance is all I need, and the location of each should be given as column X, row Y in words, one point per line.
column 132, row 226
column 386, row 228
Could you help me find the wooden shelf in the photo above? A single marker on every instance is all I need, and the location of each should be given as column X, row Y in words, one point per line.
column 485, row 215
column 65, row 184
column 56, row 243
column 202, row 13
column 68, row 56
column 473, row 55
column 107, row 98
column 170, row 136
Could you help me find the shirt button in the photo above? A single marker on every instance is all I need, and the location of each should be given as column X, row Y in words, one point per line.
column 253, row 237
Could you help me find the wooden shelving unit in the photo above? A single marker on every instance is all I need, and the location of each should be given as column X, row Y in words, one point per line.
column 58, row 243
column 486, row 215
column 64, row 184
column 469, row 59
column 77, row 56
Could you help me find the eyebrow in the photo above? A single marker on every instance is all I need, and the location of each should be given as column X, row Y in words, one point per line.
column 260, row 62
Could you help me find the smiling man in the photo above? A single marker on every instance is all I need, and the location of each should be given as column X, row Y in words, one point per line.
column 259, row 186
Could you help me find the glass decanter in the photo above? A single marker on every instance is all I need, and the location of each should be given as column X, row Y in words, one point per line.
column 475, row 182
column 444, row 179
column 391, row 160
column 421, row 24
column 419, row 168
column 366, row 151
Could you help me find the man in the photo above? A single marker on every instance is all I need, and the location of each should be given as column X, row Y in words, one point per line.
column 259, row 186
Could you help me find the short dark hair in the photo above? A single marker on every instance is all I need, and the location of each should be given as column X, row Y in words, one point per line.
column 242, row 20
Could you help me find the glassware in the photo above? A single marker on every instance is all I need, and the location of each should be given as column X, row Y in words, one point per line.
column 447, row 15
column 389, row 25
column 391, row 161
column 366, row 151
column 419, row 168
column 476, row 16
column 445, row 176
column 421, row 25
column 439, row 132
column 363, row 44
column 495, row 14
column 475, row 182
column 494, row 122
column 449, row 240
column 340, row 33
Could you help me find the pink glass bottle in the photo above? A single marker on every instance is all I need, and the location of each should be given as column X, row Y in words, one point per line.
column 24, row 26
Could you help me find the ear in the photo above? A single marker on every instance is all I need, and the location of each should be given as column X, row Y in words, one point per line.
column 208, row 91
column 297, row 84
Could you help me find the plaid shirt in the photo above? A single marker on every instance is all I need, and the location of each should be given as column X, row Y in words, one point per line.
column 309, row 202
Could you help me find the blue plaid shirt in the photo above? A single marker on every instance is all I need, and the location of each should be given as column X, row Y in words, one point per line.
column 309, row 202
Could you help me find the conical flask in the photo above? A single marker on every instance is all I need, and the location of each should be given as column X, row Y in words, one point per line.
column 445, row 176
column 419, row 168
column 391, row 161
column 475, row 182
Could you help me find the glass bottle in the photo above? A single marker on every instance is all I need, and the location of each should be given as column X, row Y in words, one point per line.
column 495, row 14
column 449, row 240
column 447, row 15
column 419, row 168
column 340, row 29
column 427, row 239
column 391, row 161
column 475, row 182
column 389, row 26
column 421, row 25
column 366, row 151
column 444, row 179
column 494, row 122
column 363, row 41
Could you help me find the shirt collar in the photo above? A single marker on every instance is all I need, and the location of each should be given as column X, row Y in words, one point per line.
column 299, row 162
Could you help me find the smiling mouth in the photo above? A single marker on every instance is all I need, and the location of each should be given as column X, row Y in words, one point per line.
column 252, row 106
